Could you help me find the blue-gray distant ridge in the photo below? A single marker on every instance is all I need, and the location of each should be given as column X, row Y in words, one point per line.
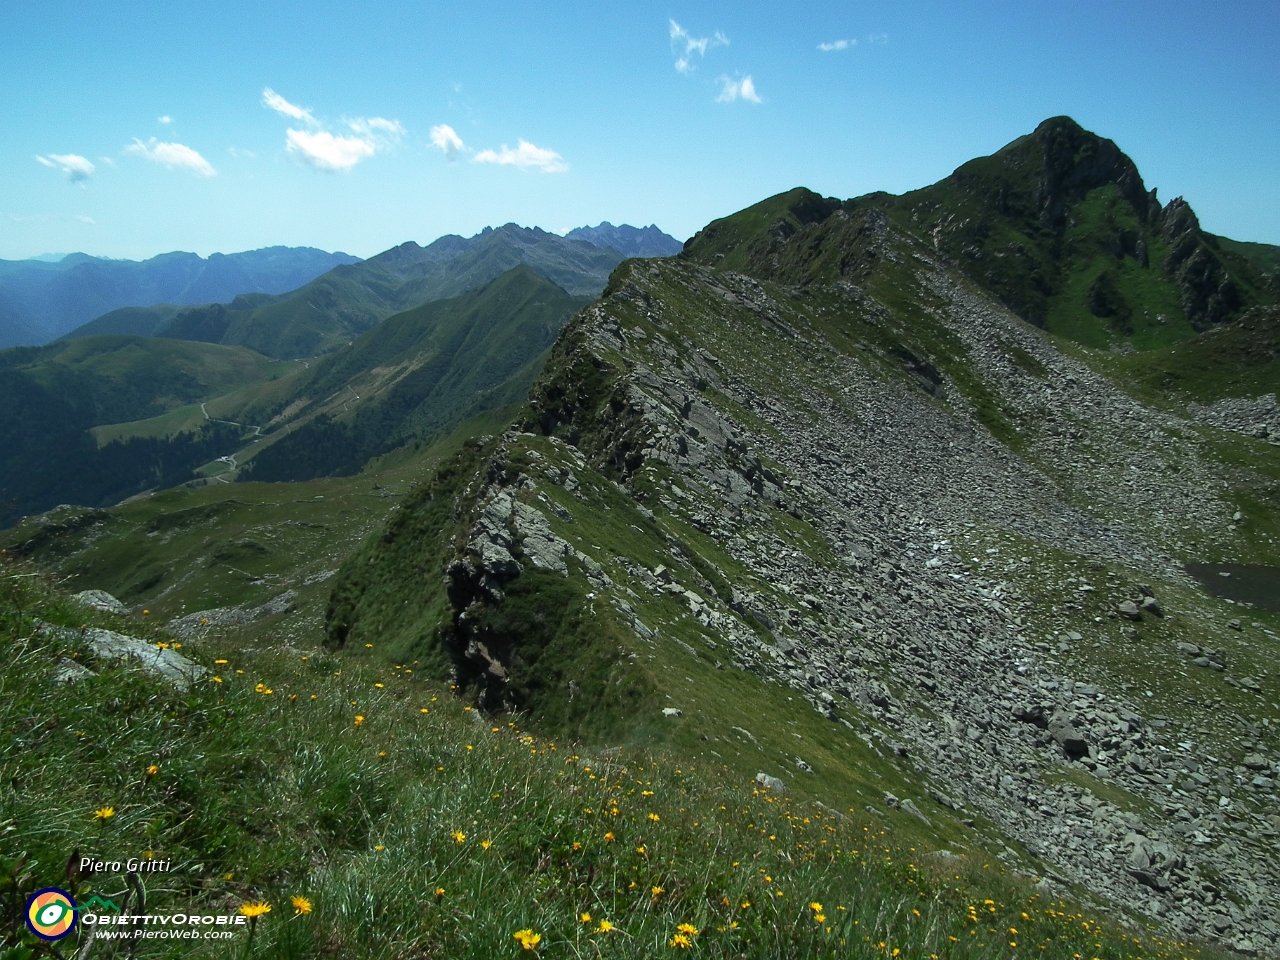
column 43, row 299
column 628, row 240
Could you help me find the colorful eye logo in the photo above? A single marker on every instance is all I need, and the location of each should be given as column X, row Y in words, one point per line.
column 51, row 914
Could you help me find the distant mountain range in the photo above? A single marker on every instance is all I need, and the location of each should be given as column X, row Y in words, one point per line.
column 347, row 301
column 41, row 300
column 628, row 240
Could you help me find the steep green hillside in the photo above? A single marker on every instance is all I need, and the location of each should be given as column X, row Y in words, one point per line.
column 1058, row 225
column 349, row 300
column 417, row 374
column 52, row 396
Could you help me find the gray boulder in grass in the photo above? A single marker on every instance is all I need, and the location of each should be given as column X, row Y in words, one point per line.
column 100, row 600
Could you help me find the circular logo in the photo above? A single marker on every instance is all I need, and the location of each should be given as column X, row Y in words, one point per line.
column 51, row 913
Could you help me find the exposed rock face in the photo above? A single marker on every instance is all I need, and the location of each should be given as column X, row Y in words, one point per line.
column 107, row 645
column 193, row 626
column 895, row 488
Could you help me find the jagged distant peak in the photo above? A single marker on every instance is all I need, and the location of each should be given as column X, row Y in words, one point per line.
column 628, row 240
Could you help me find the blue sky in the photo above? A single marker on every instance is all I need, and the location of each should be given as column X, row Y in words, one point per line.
column 137, row 128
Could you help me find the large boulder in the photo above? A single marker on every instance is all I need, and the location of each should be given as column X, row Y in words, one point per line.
column 1066, row 729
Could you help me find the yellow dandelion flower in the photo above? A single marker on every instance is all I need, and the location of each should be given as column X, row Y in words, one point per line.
column 378, row 686
column 527, row 938
column 379, row 847
column 301, row 905
column 486, row 844
column 152, row 770
column 584, row 917
column 105, row 813
column 359, row 719
column 816, row 907
column 439, row 892
column 680, row 941
column 654, row 817
column 252, row 910
column 688, row 928
column 217, row 679
column 657, row 892
column 458, row 836
column 608, row 837
column 605, row 926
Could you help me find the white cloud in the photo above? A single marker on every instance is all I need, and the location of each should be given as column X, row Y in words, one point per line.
column 172, row 155
column 837, row 45
column 88, row 220
column 324, row 151
column 166, row 120
column 328, row 151
column 731, row 90
column 446, row 140
column 280, row 105
column 878, row 38
column 240, row 154
column 525, row 155
column 684, row 45
column 374, row 127
column 75, row 167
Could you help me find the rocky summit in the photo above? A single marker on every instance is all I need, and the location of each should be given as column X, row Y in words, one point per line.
column 822, row 450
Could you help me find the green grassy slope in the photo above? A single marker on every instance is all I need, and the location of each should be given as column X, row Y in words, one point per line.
column 415, row 375
column 51, row 397
column 1058, row 225
column 378, row 819
column 350, row 300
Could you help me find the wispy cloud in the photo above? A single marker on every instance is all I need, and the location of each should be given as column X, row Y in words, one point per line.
column 878, row 38
column 165, row 120
column 445, row 139
column 88, row 220
column 241, row 154
column 175, row 156
column 280, row 105
column 837, row 45
column 324, row 150
column 75, row 167
column 525, row 156
column 684, row 45
column 744, row 89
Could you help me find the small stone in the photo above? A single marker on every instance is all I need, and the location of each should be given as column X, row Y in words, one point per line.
column 672, row 712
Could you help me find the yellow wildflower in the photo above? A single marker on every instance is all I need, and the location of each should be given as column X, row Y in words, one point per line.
column 528, row 939
column 301, row 905
column 458, row 836
column 105, row 813
column 605, row 926
column 359, row 719
column 152, row 770
column 680, row 941
column 252, row 910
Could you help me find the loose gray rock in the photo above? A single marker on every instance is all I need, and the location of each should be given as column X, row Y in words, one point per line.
column 70, row 672
column 771, row 783
column 165, row 663
column 100, row 600
column 1129, row 610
